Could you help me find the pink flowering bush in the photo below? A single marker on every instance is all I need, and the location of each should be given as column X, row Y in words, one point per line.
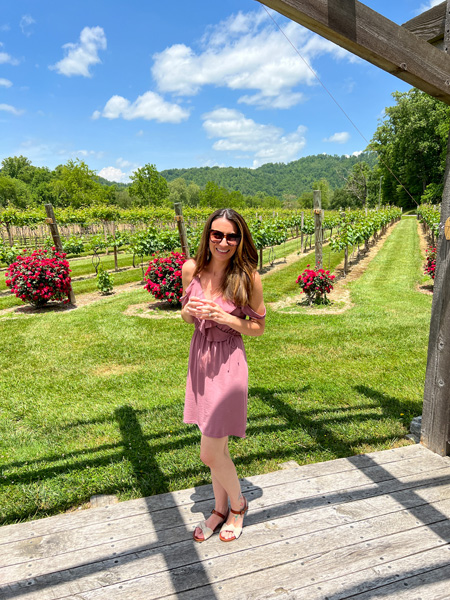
column 316, row 284
column 430, row 266
column 163, row 277
column 40, row 276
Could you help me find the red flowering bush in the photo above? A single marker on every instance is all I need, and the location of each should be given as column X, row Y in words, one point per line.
column 430, row 266
column 40, row 276
column 163, row 277
column 316, row 284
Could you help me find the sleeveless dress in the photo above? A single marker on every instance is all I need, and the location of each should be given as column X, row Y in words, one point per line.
column 217, row 380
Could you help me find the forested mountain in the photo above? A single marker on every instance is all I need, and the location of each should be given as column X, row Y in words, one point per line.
column 276, row 179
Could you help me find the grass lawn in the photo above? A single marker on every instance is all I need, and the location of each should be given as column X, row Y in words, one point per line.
column 91, row 400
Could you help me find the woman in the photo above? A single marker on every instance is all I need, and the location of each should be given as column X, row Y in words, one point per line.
column 221, row 289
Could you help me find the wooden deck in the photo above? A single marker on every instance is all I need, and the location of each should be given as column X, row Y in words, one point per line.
column 370, row 526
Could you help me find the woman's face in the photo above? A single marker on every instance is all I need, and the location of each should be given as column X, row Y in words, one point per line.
column 222, row 251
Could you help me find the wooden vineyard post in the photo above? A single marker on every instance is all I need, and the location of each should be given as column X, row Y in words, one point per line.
column 302, row 234
column 181, row 229
column 116, row 261
column 51, row 221
column 435, row 431
column 318, row 228
column 345, row 250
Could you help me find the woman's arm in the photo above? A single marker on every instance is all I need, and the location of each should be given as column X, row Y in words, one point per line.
column 187, row 273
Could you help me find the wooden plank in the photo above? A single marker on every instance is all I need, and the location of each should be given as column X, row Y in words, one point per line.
column 364, row 32
column 435, row 432
column 282, row 583
column 67, row 521
column 142, row 541
column 263, row 531
column 306, row 559
column 305, row 494
column 430, row 25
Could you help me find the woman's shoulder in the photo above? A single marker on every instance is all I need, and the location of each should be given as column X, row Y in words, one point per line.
column 187, row 273
column 188, row 267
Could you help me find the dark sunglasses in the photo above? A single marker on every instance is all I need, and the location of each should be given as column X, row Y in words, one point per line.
column 216, row 237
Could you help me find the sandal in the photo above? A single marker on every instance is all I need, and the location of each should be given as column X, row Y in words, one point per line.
column 207, row 531
column 236, row 531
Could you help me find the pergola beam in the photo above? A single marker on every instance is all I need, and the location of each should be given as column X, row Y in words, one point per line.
column 430, row 25
column 369, row 35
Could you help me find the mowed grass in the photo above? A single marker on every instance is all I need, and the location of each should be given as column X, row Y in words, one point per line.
column 92, row 399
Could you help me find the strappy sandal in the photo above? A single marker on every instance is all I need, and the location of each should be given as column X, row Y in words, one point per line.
column 207, row 531
column 236, row 531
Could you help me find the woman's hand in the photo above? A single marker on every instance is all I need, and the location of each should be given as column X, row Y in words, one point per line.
column 207, row 310
column 213, row 312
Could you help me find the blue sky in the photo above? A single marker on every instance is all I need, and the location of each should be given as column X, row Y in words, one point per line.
column 180, row 84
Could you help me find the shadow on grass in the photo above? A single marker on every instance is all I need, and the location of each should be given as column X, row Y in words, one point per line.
column 309, row 429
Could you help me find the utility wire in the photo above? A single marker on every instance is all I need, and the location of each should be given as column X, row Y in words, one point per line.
column 336, row 102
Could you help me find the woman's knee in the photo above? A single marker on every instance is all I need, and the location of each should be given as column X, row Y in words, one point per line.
column 212, row 451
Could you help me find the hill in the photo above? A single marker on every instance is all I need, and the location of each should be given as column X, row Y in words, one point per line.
column 276, row 179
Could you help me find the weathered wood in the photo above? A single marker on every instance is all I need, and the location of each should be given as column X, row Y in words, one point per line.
column 435, row 433
column 330, row 523
column 51, row 220
column 429, row 25
column 181, row 229
column 364, row 32
column 318, row 233
column 413, row 454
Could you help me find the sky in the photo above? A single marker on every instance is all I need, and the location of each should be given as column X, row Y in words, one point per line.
column 181, row 84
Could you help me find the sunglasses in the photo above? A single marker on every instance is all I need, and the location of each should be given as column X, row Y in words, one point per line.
column 216, row 237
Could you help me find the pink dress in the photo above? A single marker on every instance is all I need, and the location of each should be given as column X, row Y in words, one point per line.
column 217, row 380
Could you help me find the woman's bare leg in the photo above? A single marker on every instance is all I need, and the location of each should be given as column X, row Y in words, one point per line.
column 215, row 454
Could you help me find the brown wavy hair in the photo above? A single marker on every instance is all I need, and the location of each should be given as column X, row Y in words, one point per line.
column 237, row 283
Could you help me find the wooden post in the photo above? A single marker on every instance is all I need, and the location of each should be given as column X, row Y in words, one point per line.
column 56, row 240
column 116, row 262
column 181, row 229
column 435, row 432
column 318, row 228
column 10, row 235
column 302, row 234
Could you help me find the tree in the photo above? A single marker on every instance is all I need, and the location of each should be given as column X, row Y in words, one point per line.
column 149, row 187
column 74, row 185
column 17, row 167
column 325, row 189
column 356, row 184
column 411, row 141
column 13, row 192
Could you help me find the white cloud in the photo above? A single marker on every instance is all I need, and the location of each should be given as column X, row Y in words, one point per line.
column 339, row 138
column 25, row 23
column 266, row 143
column 113, row 174
column 427, row 6
column 8, row 59
column 149, row 106
column 123, row 164
column 5, row 82
column 82, row 55
column 357, row 152
column 86, row 153
column 245, row 52
column 11, row 109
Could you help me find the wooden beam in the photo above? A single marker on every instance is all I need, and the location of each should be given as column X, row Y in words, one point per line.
column 430, row 25
column 366, row 33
